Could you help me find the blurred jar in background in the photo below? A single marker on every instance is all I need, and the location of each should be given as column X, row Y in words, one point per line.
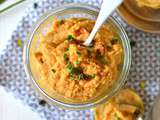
column 155, row 4
column 142, row 14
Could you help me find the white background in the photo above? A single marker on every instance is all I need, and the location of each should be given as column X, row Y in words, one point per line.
column 11, row 108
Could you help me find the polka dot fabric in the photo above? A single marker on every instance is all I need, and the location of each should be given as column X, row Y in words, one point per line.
column 145, row 65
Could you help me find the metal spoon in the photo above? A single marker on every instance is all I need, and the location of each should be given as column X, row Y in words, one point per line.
column 107, row 7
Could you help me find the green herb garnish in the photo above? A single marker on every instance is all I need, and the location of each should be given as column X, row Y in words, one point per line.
column 114, row 40
column 83, row 76
column 67, row 49
column 80, row 77
column 53, row 70
column 77, row 72
column 77, row 63
column 19, row 42
column 109, row 46
column 66, row 57
column 86, row 76
column 70, row 38
column 78, row 53
column 142, row 85
column 118, row 118
column 94, row 75
column 71, row 76
column 69, row 67
column 73, row 70
column 101, row 59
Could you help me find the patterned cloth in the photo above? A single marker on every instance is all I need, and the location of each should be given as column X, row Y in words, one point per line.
column 145, row 65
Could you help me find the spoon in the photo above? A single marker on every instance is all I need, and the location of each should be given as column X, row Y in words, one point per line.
column 139, row 118
column 107, row 7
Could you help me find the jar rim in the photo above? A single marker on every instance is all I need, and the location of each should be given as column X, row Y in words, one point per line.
column 125, row 69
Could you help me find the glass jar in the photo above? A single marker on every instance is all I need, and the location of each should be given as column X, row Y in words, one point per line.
column 141, row 17
column 41, row 26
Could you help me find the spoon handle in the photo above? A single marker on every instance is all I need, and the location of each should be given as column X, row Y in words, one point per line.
column 107, row 7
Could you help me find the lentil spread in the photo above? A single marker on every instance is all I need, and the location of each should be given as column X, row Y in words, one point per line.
column 73, row 70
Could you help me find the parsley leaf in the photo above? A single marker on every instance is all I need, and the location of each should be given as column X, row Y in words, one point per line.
column 19, row 42
column 73, row 70
column 118, row 118
column 77, row 63
column 69, row 67
column 114, row 40
column 78, row 53
column 86, row 76
column 71, row 76
column 80, row 77
column 77, row 72
column 66, row 57
column 83, row 76
column 101, row 58
column 109, row 46
column 70, row 38
column 94, row 75
column 142, row 85
column 67, row 49
column 103, row 61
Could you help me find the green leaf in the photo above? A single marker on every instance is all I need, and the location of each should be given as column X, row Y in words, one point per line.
column 70, row 38
column 101, row 58
column 118, row 118
column 94, row 75
column 73, row 70
column 67, row 49
column 71, row 76
column 77, row 63
column 103, row 61
column 66, row 57
column 80, row 77
column 114, row 40
column 76, row 70
column 86, row 76
column 78, row 53
column 142, row 85
column 19, row 42
column 109, row 46
column 69, row 67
